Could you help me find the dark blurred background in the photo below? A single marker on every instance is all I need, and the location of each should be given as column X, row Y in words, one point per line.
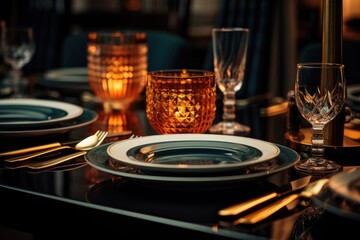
column 282, row 32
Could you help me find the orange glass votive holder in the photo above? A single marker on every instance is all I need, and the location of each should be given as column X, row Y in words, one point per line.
column 180, row 101
column 117, row 66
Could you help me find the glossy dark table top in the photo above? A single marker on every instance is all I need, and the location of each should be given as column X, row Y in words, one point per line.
column 37, row 202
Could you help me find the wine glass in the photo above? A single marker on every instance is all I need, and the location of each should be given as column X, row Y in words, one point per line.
column 229, row 49
column 18, row 48
column 320, row 91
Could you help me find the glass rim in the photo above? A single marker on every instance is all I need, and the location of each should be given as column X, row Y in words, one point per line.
column 320, row 65
column 166, row 73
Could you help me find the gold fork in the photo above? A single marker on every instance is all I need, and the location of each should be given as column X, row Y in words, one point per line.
column 83, row 145
column 55, row 161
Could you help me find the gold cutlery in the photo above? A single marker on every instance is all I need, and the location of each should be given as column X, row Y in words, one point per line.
column 83, row 145
column 244, row 206
column 54, row 145
column 30, row 149
column 62, row 159
column 59, row 160
column 67, row 166
column 55, row 161
column 261, row 214
column 274, row 110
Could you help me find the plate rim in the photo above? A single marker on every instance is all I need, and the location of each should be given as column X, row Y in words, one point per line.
column 350, row 92
column 72, row 110
column 340, row 183
column 51, row 130
column 191, row 179
column 66, row 75
column 325, row 199
column 269, row 151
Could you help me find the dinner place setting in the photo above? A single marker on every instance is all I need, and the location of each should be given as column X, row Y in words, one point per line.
column 65, row 82
column 28, row 118
column 116, row 145
column 192, row 163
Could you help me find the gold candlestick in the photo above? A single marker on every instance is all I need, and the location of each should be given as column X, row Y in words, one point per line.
column 332, row 53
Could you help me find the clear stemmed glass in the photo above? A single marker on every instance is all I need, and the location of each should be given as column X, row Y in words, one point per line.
column 320, row 91
column 229, row 49
column 18, row 48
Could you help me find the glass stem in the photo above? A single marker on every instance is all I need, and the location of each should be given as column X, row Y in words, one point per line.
column 229, row 107
column 317, row 142
column 16, row 76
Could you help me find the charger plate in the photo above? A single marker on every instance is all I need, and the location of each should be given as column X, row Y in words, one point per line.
column 100, row 159
column 28, row 112
column 87, row 117
column 347, row 185
column 67, row 75
column 353, row 93
column 341, row 196
column 192, row 153
column 68, row 81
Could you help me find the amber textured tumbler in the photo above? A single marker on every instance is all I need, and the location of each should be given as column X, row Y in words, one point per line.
column 180, row 101
column 117, row 66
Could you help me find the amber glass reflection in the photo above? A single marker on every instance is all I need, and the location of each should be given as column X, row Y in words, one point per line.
column 115, row 122
column 180, row 101
column 117, row 67
column 118, row 122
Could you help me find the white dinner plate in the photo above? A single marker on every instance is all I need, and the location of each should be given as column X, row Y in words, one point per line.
column 192, row 153
column 30, row 112
column 353, row 92
column 353, row 96
column 86, row 118
column 68, row 81
column 100, row 159
column 341, row 196
column 75, row 74
column 347, row 185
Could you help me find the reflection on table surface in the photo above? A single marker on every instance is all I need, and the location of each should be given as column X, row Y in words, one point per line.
column 104, row 201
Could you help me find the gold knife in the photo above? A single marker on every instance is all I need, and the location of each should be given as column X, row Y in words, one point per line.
column 309, row 191
column 55, row 161
column 33, row 155
column 244, row 206
column 54, row 145
column 30, row 149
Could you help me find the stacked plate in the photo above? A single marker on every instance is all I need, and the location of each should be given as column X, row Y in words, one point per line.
column 68, row 80
column 192, row 158
column 36, row 117
column 341, row 196
column 353, row 97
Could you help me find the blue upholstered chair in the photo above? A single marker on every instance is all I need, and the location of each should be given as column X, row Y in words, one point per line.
column 166, row 51
column 74, row 51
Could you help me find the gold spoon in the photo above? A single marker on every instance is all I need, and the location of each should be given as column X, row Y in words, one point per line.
column 55, row 161
column 83, row 145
